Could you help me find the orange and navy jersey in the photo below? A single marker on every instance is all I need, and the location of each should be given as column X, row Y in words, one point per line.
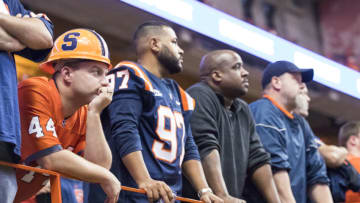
column 44, row 129
column 151, row 115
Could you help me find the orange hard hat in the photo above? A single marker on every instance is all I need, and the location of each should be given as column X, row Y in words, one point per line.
column 77, row 44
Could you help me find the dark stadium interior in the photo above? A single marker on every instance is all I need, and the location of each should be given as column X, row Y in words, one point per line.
column 303, row 22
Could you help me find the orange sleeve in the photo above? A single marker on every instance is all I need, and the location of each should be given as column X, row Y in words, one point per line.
column 80, row 147
column 38, row 123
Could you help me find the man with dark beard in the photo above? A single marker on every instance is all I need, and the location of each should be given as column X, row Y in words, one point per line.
column 224, row 130
column 147, row 124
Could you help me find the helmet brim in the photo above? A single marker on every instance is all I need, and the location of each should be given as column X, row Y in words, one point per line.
column 48, row 67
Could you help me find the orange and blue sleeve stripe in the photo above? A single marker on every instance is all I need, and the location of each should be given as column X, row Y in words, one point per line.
column 187, row 101
column 138, row 72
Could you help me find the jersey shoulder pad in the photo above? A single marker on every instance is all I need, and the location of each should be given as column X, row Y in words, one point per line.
column 136, row 70
column 39, row 86
column 41, row 82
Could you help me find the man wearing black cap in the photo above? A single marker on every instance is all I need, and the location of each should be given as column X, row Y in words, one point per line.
column 283, row 137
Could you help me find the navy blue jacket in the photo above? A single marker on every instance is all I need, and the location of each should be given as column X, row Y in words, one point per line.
column 291, row 146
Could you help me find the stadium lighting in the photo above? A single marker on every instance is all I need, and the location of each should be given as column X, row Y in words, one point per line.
column 237, row 33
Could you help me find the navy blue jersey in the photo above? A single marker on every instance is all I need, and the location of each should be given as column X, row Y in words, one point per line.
column 71, row 190
column 150, row 115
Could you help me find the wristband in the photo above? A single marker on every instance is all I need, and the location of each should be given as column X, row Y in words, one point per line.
column 204, row 190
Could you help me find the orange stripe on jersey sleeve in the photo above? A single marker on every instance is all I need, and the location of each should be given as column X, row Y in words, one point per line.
column 7, row 7
column 187, row 101
column 139, row 72
column 80, row 147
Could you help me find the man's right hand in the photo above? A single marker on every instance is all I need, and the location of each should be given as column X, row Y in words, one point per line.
column 231, row 199
column 157, row 189
column 111, row 187
column 102, row 100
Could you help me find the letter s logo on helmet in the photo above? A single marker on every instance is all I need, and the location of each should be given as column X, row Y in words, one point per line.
column 77, row 44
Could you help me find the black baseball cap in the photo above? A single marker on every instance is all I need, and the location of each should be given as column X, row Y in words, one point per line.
column 280, row 67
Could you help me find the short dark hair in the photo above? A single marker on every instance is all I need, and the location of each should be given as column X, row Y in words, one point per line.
column 72, row 63
column 348, row 129
column 143, row 29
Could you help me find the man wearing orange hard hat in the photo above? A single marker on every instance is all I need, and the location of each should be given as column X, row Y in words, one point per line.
column 60, row 116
